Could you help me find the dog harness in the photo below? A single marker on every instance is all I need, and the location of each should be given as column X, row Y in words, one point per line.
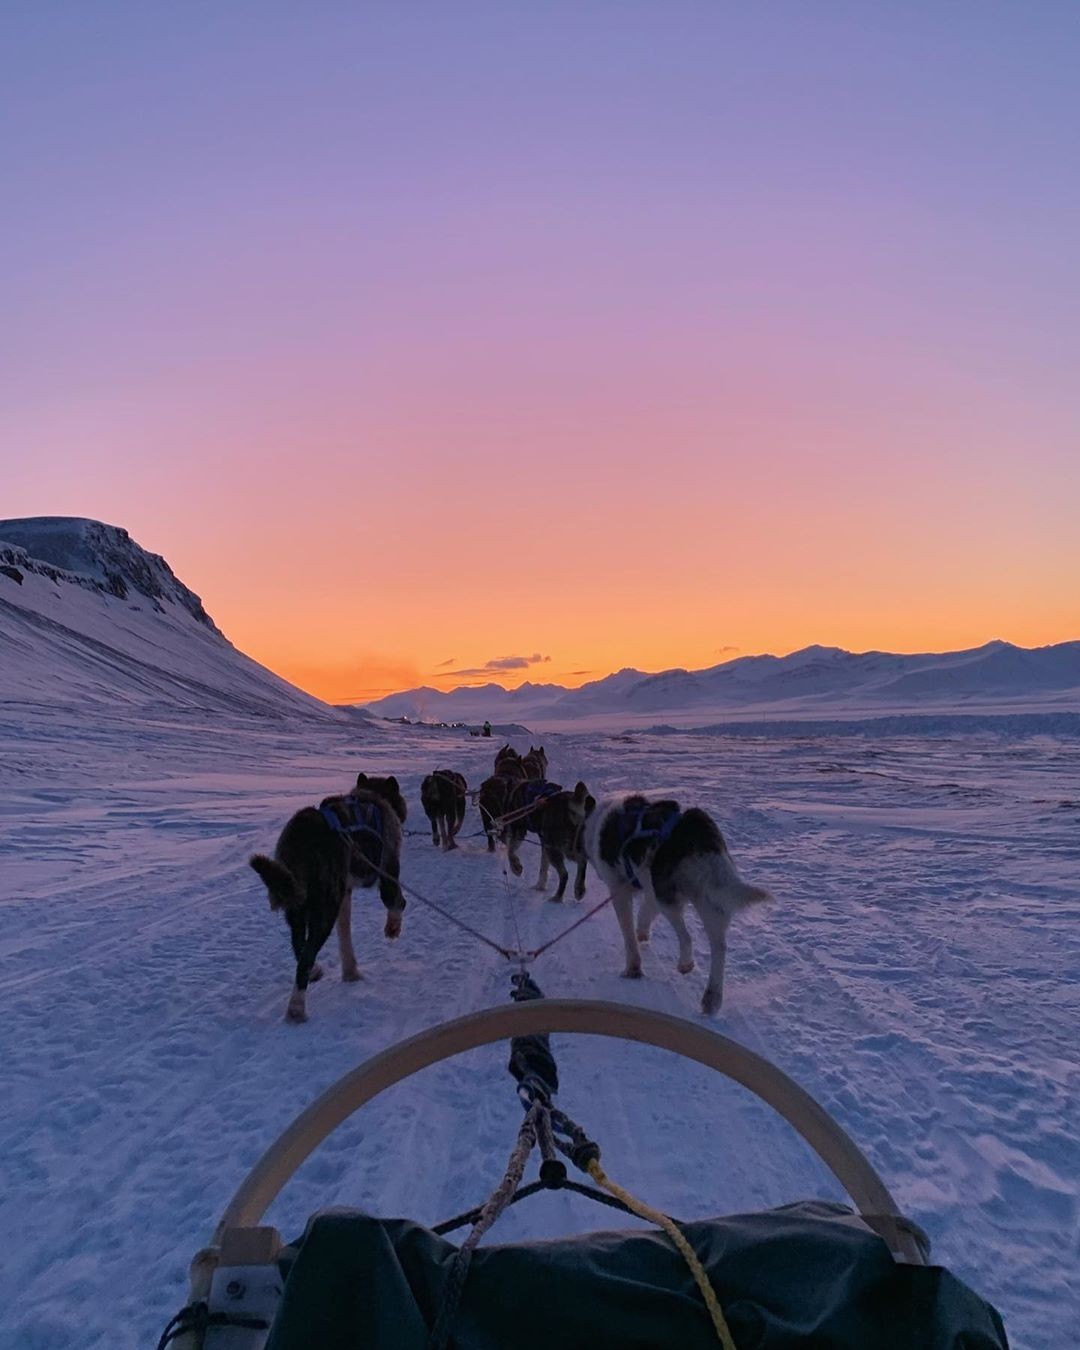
column 359, row 817
column 632, row 827
column 536, row 790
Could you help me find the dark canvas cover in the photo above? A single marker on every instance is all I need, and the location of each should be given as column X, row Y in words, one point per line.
column 803, row 1275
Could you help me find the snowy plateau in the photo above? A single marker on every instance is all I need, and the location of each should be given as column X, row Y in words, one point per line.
column 917, row 819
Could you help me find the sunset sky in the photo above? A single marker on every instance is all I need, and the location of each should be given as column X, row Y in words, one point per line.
column 543, row 339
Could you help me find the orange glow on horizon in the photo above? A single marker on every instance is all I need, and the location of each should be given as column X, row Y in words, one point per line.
column 374, row 574
column 570, row 344
column 365, row 678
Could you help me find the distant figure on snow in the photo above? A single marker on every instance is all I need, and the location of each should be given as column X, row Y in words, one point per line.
column 487, row 729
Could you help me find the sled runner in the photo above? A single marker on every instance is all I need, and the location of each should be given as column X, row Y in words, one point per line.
column 811, row 1274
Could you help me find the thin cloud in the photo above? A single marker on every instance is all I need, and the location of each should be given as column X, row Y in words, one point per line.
column 498, row 664
column 443, row 664
column 516, row 662
column 722, row 651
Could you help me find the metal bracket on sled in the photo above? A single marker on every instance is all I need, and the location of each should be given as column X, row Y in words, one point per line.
column 242, row 1288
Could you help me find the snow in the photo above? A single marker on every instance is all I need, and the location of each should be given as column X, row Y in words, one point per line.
column 103, row 557
column 67, row 542
column 919, row 973
column 67, row 639
column 815, row 682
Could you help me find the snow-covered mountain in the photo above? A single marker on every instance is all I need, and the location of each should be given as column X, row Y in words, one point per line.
column 816, row 680
column 88, row 617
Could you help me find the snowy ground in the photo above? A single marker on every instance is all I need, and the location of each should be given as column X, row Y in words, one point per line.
column 919, row 975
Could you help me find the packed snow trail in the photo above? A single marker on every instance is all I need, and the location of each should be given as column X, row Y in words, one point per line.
column 918, row 975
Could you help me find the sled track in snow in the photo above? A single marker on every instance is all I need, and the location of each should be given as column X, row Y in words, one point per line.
column 147, row 1065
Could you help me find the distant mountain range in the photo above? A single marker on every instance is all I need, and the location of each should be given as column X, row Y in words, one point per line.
column 815, row 681
column 88, row 617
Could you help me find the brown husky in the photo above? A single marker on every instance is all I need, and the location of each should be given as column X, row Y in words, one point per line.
column 323, row 852
column 508, row 763
column 558, row 821
column 493, row 802
column 497, row 791
column 535, row 763
column 442, row 795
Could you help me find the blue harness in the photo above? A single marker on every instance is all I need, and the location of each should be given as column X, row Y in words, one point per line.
column 535, row 790
column 632, row 827
column 360, row 817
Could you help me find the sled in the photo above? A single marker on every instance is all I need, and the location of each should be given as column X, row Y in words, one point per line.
column 810, row 1274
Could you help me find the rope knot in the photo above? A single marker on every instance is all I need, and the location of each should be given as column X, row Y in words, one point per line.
column 584, row 1154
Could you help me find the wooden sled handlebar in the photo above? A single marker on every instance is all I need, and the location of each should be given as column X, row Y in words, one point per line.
column 832, row 1145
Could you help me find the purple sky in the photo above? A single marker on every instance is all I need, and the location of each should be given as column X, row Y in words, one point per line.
column 789, row 281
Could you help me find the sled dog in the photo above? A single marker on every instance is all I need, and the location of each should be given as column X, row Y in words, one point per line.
column 442, row 795
column 322, row 854
column 674, row 858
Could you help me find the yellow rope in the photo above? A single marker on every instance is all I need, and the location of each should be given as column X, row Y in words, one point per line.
column 643, row 1211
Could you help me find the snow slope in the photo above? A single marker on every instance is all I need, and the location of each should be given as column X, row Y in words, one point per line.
column 811, row 682
column 919, row 975
column 87, row 617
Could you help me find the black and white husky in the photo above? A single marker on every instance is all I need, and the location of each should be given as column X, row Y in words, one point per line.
column 673, row 857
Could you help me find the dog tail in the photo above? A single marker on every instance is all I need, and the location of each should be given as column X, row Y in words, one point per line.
column 745, row 895
column 279, row 881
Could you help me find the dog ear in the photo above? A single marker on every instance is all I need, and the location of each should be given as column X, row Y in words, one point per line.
column 590, row 806
column 392, row 782
column 361, row 778
column 580, row 792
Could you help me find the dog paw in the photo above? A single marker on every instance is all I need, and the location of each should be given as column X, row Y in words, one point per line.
column 643, row 935
column 579, row 892
column 632, row 972
column 516, row 867
column 555, row 899
column 685, row 967
column 316, row 974
column 351, row 974
column 393, row 926
column 451, row 846
column 710, row 1001
column 295, row 1013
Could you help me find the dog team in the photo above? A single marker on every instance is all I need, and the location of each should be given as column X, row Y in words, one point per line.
column 636, row 845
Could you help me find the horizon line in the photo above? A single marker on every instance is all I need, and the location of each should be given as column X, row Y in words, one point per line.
column 361, row 701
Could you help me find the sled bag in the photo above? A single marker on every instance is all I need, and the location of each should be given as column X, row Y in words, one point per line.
column 809, row 1274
